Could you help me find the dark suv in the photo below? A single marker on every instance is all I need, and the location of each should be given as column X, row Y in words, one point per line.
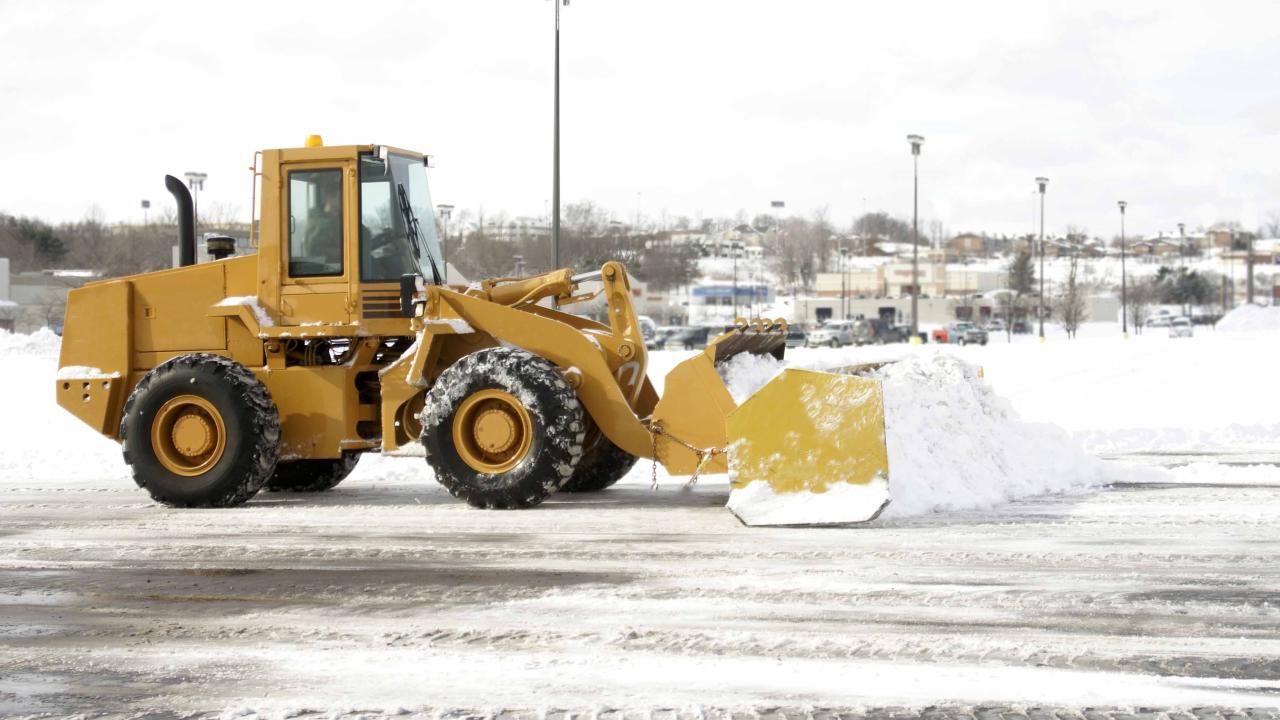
column 875, row 332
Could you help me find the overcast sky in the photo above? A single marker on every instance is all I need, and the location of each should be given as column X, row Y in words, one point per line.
column 694, row 107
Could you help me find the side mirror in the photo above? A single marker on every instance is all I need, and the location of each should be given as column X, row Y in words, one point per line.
column 410, row 286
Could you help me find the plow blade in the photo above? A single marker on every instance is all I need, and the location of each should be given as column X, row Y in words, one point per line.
column 808, row 448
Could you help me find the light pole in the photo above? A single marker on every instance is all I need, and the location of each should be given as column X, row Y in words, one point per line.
column 146, row 205
column 733, row 250
column 555, row 164
column 446, row 211
column 845, row 275
column 1043, row 182
column 195, row 181
column 1124, row 281
column 916, row 141
column 844, row 310
column 1182, row 253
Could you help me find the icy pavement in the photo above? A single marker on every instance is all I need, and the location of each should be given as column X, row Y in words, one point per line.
column 387, row 594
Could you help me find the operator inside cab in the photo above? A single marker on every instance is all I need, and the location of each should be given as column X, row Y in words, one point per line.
column 315, row 223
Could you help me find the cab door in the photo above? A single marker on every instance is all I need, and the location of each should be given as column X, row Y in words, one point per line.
column 318, row 226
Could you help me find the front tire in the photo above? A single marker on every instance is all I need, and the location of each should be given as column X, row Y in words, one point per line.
column 602, row 465
column 312, row 475
column 502, row 429
column 200, row 430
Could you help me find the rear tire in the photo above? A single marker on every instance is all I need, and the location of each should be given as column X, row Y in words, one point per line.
column 502, row 429
column 312, row 475
column 601, row 466
column 835, row 343
column 200, row 430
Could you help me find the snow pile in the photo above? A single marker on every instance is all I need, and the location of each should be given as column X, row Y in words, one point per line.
column 1251, row 318
column 952, row 443
column 44, row 445
column 41, row 343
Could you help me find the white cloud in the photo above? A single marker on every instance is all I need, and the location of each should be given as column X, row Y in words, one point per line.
column 688, row 107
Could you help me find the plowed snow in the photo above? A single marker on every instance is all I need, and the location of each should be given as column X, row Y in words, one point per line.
column 953, row 443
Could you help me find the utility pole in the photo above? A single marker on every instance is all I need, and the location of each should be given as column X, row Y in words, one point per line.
column 1182, row 252
column 916, row 141
column 1124, row 281
column 733, row 250
column 555, row 165
column 195, row 181
column 1042, row 182
column 1248, row 272
column 446, row 211
column 844, row 309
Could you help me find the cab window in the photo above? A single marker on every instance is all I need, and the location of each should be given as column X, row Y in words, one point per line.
column 315, row 223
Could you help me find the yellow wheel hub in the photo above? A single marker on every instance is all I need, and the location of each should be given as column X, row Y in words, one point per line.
column 492, row 431
column 188, row 435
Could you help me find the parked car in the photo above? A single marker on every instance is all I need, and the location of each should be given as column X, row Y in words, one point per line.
column 647, row 328
column 960, row 333
column 1021, row 327
column 689, row 338
column 1160, row 321
column 796, row 336
column 660, row 335
column 875, row 332
column 833, row 334
column 1181, row 327
column 996, row 325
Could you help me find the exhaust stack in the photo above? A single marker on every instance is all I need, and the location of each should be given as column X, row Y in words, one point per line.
column 186, row 220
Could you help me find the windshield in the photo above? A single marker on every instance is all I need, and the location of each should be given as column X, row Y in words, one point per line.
column 397, row 226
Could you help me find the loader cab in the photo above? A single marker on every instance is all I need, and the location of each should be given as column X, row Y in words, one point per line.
column 351, row 221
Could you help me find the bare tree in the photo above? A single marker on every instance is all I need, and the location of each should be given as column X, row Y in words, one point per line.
column 1271, row 228
column 1070, row 306
column 1141, row 294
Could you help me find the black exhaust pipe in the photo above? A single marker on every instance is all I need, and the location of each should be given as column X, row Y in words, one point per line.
column 186, row 220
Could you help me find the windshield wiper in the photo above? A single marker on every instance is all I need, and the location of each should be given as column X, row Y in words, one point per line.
column 415, row 238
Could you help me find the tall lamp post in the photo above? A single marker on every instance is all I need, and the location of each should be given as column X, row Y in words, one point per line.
column 1182, row 253
column 446, row 211
column 1042, row 182
column 555, row 163
column 916, row 141
column 1124, row 280
column 146, row 205
column 844, row 310
column 195, row 181
column 734, row 247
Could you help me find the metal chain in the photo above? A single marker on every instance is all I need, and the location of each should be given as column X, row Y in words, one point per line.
column 704, row 455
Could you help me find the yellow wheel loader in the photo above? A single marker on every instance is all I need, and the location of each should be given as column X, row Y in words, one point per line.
column 339, row 336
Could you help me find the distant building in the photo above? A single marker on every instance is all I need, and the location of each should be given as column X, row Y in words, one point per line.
column 713, row 303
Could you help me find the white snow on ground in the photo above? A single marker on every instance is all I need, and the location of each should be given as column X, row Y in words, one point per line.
column 953, row 443
column 387, row 592
column 40, row 343
column 1251, row 318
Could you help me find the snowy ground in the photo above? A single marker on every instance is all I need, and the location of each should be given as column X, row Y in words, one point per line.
column 387, row 595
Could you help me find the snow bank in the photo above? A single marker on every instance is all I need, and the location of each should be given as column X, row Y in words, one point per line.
column 41, row 343
column 1251, row 318
column 952, row 443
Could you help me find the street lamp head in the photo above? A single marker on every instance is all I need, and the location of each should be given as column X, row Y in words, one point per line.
column 1122, row 205
column 1181, row 228
column 1042, row 182
column 916, row 141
